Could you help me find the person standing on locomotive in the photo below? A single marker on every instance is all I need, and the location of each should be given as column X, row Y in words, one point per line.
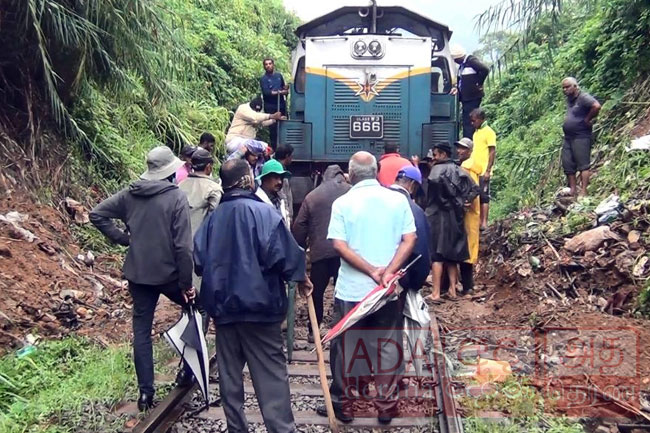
column 471, row 76
column 274, row 91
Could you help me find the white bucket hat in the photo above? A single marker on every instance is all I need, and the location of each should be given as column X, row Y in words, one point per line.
column 161, row 163
column 457, row 51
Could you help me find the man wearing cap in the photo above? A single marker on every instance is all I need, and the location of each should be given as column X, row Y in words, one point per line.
column 271, row 181
column 472, row 221
column 245, row 123
column 185, row 169
column 203, row 192
column 471, row 76
column 246, row 254
column 409, row 184
column 159, row 259
column 450, row 188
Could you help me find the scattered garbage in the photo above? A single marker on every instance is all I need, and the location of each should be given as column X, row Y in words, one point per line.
column 640, row 267
column 77, row 211
column 488, row 370
column 609, row 209
column 13, row 219
column 590, row 240
column 88, row 259
column 29, row 346
column 642, row 143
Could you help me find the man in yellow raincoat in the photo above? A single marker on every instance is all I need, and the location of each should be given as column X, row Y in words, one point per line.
column 464, row 148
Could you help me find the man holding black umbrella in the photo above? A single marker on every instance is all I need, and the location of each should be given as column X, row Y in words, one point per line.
column 159, row 260
column 245, row 254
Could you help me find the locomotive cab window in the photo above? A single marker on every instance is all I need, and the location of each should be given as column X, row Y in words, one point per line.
column 299, row 83
column 440, row 75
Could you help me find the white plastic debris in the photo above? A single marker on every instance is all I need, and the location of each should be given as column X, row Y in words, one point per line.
column 610, row 204
column 14, row 219
column 642, row 143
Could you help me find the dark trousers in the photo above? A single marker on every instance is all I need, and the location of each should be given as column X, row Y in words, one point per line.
column 468, row 107
column 260, row 346
column 321, row 272
column 273, row 129
column 372, row 347
column 145, row 298
column 467, row 276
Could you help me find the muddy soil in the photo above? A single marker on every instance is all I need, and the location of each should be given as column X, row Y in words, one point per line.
column 48, row 292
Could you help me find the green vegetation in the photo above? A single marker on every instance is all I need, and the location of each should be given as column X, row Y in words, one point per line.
column 603, row 43
column 90, row 87
column 523, row 408
column 60, row 377
column 69, row 385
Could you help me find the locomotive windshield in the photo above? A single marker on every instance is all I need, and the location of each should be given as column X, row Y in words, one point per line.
column 382, row 21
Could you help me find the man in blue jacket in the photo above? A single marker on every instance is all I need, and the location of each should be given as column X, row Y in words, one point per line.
column 245, row 253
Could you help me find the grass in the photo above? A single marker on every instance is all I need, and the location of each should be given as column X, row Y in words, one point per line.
column 524, row 410
column 67, row 386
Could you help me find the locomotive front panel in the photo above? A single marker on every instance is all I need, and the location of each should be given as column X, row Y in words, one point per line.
column 364, row 90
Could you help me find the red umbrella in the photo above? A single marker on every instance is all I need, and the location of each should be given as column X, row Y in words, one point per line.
column 371, row 303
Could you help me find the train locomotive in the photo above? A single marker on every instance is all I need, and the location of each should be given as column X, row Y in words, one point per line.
column 364, row 76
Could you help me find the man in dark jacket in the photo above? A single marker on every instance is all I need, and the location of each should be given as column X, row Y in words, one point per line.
column 246, row 254
column 471, row 76
column 310, row 230
column 408, row 182
column 159, row 260
column 450, row 189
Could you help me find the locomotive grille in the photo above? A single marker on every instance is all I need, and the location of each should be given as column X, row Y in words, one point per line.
column 295, row 136
column 346, row 103
column 342, row 142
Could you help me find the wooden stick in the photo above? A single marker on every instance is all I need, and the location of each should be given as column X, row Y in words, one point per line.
column 321, row 366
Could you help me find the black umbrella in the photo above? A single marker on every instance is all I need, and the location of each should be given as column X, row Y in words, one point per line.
column 188, row 339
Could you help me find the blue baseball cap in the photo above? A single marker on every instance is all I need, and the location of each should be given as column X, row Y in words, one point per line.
column 410, row 172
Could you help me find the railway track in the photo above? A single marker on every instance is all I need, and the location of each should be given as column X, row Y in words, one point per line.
column 431, row 403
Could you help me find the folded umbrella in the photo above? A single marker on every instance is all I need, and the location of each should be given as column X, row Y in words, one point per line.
column 416, row 328
column 371, row 303
column 188, row 339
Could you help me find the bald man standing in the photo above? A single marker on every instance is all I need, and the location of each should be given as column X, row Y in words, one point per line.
column 373, row 231
column 582, row 108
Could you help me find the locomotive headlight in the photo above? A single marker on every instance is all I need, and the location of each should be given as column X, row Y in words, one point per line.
column 374, row 48
column 360, row 48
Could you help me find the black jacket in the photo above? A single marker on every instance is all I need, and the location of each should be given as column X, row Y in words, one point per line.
column 471, row 76
column 158, row 234
column 419, row 271
column 312, row 222
column 450, row 187
column 245, row 254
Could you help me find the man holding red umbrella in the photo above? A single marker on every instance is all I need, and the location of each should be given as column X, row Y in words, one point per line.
column 373, row 230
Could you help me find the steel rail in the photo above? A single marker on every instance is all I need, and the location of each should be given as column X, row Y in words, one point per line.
column 448, row 418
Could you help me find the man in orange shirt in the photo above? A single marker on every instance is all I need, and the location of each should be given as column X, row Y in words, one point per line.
column 390, row 163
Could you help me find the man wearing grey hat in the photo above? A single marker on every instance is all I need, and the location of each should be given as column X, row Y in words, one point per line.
column 159, row 260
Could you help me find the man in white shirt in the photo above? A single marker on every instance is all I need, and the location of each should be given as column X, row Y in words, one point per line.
column 373, row 230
